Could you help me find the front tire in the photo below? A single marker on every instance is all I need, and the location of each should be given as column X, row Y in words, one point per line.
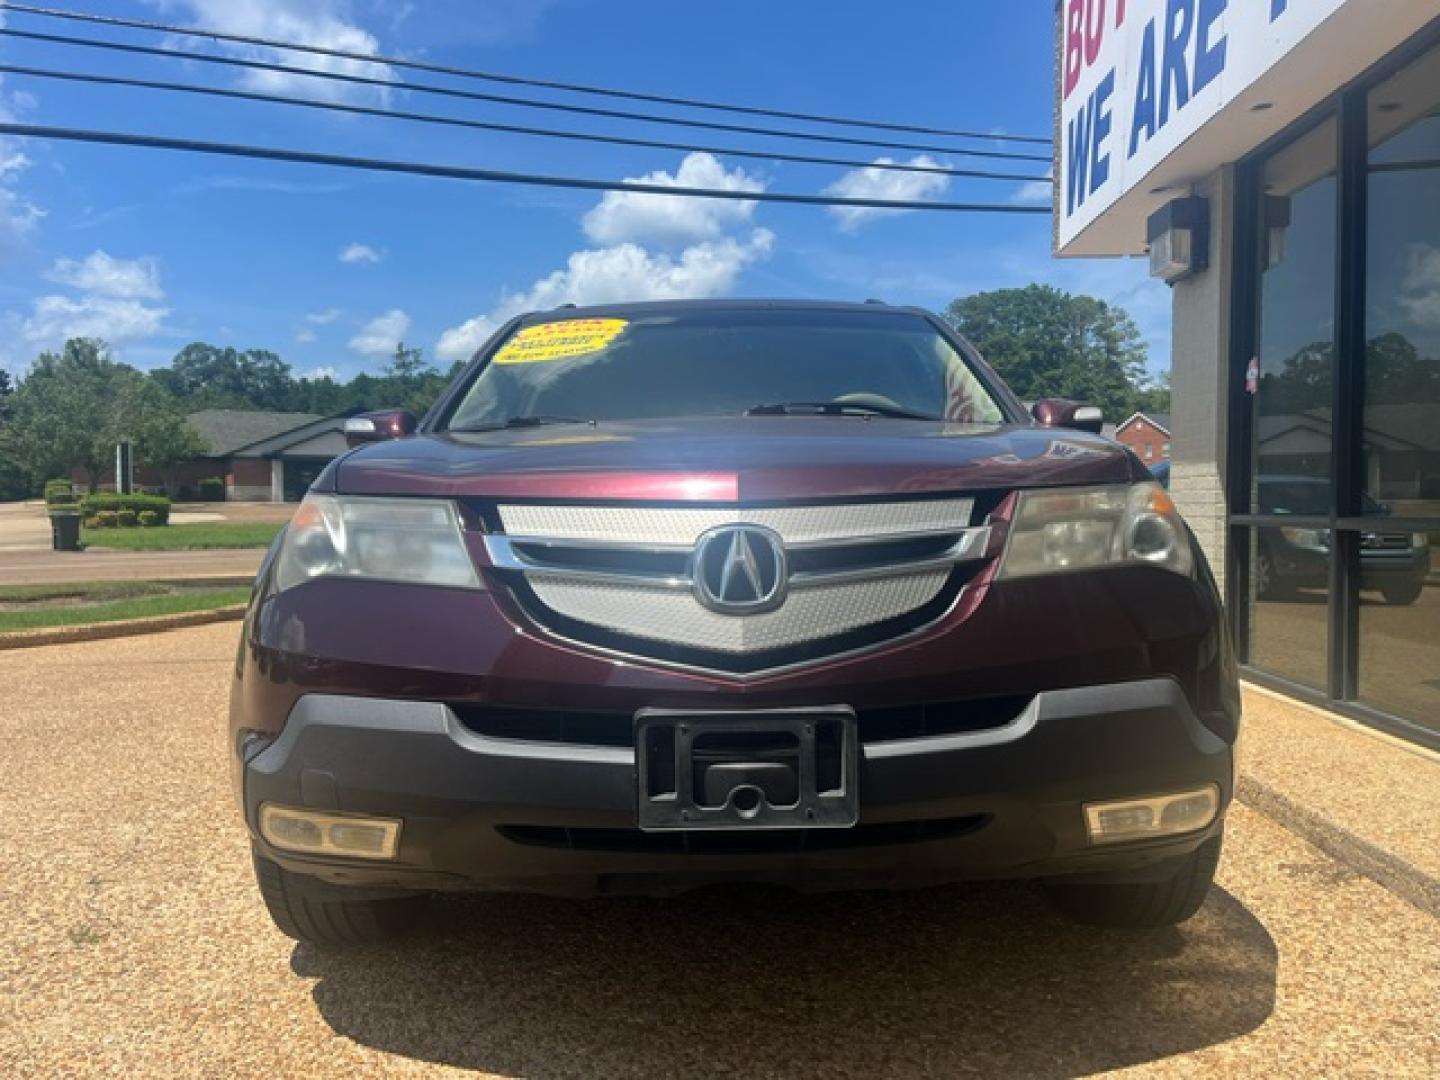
column 1400, row 595
column 331, row 922
column 1139, row 905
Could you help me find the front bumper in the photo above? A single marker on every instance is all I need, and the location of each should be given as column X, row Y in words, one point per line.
column 485, row 812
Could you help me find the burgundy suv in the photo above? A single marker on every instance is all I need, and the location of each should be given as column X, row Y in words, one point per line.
column 664, row 594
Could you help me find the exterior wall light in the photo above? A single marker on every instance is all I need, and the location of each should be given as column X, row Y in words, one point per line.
column 1277, row 220
column 1179, row 236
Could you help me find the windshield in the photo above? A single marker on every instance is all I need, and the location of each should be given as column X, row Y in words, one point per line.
column 719, row 362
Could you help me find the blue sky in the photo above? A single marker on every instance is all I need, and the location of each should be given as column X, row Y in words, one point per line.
column 154, row 249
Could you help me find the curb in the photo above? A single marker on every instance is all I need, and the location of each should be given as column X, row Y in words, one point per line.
column 1408, row 882
column 68, row 635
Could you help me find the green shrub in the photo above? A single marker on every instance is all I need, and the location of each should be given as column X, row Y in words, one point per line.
column 125, row 519
column 105, row 519
column 211, row 489
column 148, row 518
column 92, row 521
column 59, row 491
column 63, row 508
column 94, row 504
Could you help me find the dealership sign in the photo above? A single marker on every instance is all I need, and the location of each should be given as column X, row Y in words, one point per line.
column 1139, row 77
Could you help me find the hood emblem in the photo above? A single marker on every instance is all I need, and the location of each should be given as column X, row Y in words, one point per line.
column 739, row 570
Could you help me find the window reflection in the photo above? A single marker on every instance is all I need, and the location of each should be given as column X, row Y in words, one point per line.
column 1402, row 364
column 1297, row 321
column 1289, row 578
column 1399, row 629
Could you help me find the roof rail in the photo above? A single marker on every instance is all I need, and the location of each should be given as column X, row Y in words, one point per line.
column 872, row 300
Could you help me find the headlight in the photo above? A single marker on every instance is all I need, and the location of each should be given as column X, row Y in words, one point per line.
column 408, row 540
column 1312, row 538
column 1079, row 528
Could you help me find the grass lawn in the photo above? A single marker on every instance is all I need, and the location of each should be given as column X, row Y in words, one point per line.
column 33, row 607
column 217, row 534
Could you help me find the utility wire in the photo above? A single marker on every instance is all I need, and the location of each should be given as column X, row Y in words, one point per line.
column 457, row 172
column 530, row 103
column 484, row 125
column 514, row 80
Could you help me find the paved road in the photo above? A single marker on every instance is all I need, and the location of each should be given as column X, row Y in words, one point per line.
column 26, row 557
column 134, row 944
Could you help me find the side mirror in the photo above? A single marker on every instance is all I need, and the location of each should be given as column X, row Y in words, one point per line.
column 1058, row 412
column 379, row 426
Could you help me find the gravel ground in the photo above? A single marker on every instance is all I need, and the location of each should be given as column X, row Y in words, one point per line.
column 134, row 944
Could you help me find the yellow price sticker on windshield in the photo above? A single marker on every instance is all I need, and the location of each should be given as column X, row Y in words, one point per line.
column 559, row 340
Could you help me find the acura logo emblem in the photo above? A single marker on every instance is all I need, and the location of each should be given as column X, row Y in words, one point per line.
column 739, row 570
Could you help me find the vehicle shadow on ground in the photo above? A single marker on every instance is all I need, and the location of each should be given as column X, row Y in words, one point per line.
column 980, row 979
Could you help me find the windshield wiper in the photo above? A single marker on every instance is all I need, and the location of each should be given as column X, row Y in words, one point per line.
column 837, row 408
column 538, row 420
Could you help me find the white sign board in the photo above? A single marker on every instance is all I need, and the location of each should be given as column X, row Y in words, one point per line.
column 1139, row 77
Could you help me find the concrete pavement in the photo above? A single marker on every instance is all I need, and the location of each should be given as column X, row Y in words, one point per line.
column 135, row 944
column 26, row 557
column 100, row 564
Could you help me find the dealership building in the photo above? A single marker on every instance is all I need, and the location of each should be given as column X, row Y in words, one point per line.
column 1278, row 162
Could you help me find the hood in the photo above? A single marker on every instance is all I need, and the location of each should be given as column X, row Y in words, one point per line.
column 733, row 459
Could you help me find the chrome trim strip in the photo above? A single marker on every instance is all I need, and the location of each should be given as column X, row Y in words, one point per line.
column 970, row 545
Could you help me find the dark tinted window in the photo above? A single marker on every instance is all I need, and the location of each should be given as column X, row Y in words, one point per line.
column 1402, row 312
column 707, row 363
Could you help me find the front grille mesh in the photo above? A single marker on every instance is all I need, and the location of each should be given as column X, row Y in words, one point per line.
column 675, row 617
column 683, row 525
column 616, row 576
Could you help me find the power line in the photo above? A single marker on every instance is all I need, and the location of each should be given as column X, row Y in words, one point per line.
column 529, row 103
column 485, row 125
column 515, row 80
column 457, row 172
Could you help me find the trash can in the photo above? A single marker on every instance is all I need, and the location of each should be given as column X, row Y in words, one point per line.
column 65, row 530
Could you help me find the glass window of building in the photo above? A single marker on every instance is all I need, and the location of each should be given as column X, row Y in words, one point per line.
column 1296, row 332
column 1399, row 609
column 1291, row 476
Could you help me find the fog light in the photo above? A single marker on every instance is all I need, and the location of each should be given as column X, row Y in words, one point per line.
column 1152, row 816
column 316, row 833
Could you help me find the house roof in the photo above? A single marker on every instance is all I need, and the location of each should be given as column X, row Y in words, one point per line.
column 231, row 430
column 1160, row 420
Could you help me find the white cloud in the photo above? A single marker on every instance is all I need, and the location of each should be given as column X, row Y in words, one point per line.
column 104, row 275
column 53, row 319
column 18, row 218
column 380, row 335
column 873, row 183
column 622, row 273
column 13, row 163
column 627, row 216
column 356, row 254
column 113, row 302
column 1421, row 298
column 1033, row 193
column 18, row 215
column 304, row 337
column 323, row 23
column 325, row 372
column 324, row 318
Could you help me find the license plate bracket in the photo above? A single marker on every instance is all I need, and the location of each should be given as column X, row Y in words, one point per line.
column 762, row 769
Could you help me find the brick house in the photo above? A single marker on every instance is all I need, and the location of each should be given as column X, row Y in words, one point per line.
column 1148, row 434
column 261, row 456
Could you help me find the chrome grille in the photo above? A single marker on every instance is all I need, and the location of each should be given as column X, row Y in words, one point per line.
column 631, row 573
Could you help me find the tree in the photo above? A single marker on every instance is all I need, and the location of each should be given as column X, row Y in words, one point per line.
column 63, row 413
column 1049, row 343
column 162, row 438
column 209, row 376
column 14, row 481
column 413, row 383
